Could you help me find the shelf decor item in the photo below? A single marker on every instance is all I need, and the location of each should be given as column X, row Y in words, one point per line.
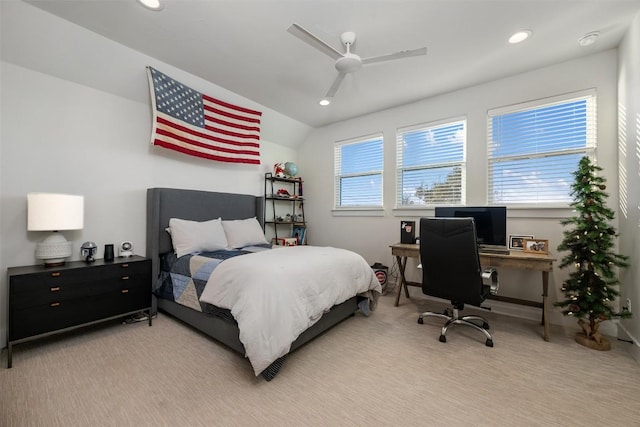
column 278, row 170
column 299, row 232
column 590, row 289
column 516, row 241
column 88, row 251
column 284, row 241
column 54, row 213
column 535, row 246
column 290, row 169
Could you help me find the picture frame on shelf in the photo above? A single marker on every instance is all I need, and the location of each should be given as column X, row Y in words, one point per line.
column 300, row 233
column 516, row 241
column 284, row 241
column 535, row 246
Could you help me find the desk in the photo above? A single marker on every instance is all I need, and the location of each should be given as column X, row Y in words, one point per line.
column 515, row 259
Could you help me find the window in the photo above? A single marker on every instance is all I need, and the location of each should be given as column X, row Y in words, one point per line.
column 358, row 172
column 431, row 164
column 534, row 149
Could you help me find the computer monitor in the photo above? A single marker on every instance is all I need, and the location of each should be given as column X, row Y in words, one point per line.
column 491, row 223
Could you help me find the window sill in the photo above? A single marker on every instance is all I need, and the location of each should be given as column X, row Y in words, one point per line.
column 358, row 212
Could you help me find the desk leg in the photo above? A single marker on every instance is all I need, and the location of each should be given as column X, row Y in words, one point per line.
column 9, row 354
column 545, row 304
column 402, row 263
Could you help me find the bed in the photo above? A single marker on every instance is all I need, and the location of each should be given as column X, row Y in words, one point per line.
column 163, row 204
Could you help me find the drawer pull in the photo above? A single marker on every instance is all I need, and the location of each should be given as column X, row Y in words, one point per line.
column 55, row 274
column 124, row 265
column 125, row 291
column 125, row 277
column 56, row 289
column 55, row 304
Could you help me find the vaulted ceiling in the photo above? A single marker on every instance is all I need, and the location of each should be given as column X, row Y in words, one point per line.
column 244, row 46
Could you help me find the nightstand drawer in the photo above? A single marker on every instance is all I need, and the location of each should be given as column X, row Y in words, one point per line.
column 57, row 315
column 30, row 294
column 29, row 284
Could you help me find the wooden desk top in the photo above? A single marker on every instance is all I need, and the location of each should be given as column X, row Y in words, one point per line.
column 515, row 259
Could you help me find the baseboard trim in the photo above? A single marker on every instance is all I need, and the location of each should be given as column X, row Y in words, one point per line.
column 634, row 350
column 499, row 307
column 515, row 310
column 534, row 314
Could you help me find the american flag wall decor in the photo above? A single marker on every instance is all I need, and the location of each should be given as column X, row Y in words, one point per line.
column 193, row 123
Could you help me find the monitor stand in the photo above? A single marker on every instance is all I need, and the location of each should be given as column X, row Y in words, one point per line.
column 489, row 249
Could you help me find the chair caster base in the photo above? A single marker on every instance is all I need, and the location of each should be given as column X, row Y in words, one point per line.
column 489, row 343
column 485, row 325
column 444, row 339
column 420, row 320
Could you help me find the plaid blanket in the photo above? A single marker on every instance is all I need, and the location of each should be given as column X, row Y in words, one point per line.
column 183, row 279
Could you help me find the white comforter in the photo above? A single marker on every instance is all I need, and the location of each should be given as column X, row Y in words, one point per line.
column 276, row 295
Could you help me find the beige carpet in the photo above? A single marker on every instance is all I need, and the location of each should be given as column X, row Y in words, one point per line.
column 382, row 370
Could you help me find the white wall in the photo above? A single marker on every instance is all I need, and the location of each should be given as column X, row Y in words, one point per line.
column 371, row 236
column 70, row 129
column 629, row 161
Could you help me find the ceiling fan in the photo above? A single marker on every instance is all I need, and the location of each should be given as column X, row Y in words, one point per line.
column 347, row 62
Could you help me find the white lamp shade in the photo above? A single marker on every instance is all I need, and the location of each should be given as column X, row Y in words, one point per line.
column 54, row 212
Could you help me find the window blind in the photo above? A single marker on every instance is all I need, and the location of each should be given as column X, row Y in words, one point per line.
column 358, row 167
column 431, row 163
column 533, row 149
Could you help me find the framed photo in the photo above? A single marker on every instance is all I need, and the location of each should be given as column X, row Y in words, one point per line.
column 535, row 246
column 300, row 233
column 516, row 241
column 284, row 241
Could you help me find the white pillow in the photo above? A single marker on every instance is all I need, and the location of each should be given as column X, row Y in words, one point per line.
column 193, row 236
column 243, row 232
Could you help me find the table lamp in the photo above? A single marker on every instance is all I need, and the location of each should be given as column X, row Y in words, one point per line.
column 54, row 212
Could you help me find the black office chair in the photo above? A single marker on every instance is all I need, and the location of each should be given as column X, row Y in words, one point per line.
column 451, row 270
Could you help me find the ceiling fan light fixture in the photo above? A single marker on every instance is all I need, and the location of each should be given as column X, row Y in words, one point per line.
column 151, row 4
column 349, row 63
column 520, row 36
column 324, row 102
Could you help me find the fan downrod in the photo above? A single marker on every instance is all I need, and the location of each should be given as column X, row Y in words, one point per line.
column 349, row 62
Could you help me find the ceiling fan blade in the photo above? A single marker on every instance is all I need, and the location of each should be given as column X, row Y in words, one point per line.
column 314, row 41
column 397, row 55
column 336, row 84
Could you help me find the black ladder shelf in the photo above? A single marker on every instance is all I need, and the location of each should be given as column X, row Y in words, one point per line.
column 290, row 202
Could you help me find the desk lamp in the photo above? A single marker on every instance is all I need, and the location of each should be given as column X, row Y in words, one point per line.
column 54, row 212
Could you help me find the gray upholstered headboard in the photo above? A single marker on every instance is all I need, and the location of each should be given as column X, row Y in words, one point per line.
column 195, row 205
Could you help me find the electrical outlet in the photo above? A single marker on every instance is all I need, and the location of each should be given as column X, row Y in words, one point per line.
column 628, row 305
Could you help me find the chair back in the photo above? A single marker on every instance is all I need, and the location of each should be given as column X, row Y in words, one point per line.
column 450, row 261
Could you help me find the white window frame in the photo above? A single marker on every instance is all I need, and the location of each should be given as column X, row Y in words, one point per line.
column 338, row 177
column 400, row 169
column 589, row 149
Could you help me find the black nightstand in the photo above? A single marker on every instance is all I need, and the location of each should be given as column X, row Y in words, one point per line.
column 50, row 300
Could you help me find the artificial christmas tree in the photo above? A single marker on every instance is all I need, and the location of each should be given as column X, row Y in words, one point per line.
column 591, row 287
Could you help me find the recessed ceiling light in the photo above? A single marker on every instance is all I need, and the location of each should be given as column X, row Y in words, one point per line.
column 520, row 36
column 325, row 101
column 588, row 39
column 151, row 4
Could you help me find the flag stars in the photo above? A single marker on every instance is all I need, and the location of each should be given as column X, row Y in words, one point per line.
column 177, row 100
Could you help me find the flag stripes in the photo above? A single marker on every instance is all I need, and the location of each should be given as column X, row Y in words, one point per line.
column 192, row 123
column 169, row 134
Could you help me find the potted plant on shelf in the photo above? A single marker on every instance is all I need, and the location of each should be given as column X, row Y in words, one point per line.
column 590, row 289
